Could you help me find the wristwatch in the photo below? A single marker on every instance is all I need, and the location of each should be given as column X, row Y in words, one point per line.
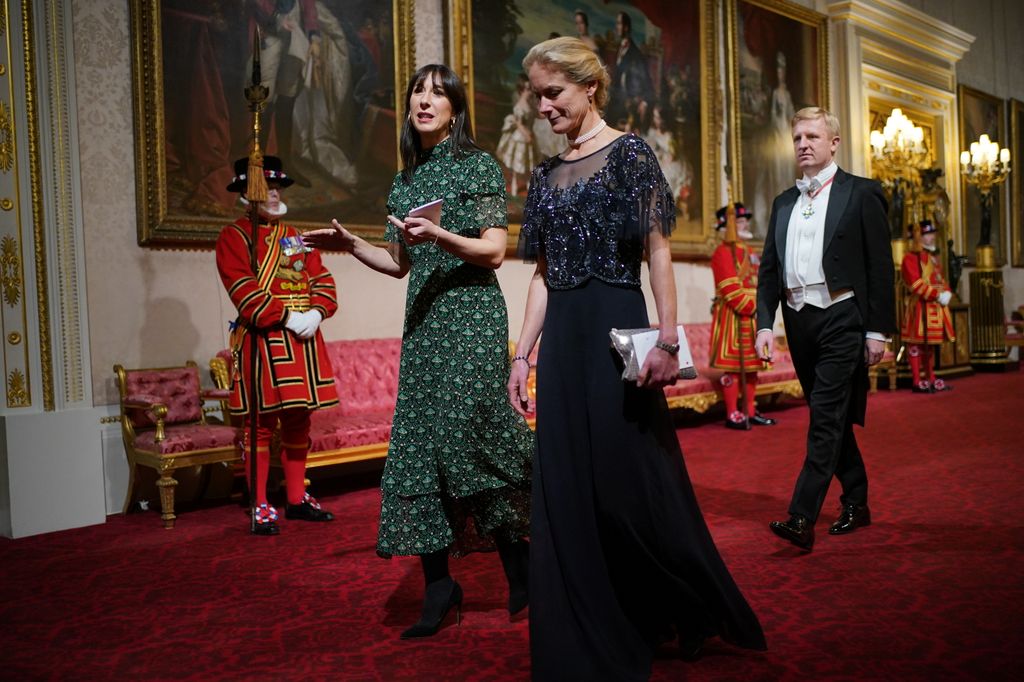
column 670, row 348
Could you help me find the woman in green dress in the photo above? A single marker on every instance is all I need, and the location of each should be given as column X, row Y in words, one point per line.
column 457, row 477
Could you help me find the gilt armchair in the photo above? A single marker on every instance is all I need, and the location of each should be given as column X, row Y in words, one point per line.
column 165, row 428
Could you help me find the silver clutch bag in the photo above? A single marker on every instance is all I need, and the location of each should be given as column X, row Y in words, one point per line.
column 633, row 345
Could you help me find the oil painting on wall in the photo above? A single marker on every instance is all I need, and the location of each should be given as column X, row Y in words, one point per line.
column 657, row 54
column 779, row 52
column 330, row 69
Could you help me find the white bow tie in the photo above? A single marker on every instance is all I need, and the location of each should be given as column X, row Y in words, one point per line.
column 808, row 186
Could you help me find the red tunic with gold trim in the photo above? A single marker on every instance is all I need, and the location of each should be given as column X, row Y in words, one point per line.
column 927, row 321
column 735, row 270
column 291, row 372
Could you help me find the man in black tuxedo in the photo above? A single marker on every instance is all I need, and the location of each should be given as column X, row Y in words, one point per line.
column 827, row 258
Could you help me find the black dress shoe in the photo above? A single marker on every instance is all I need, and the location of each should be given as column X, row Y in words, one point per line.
column 852, row 517
column 939, row 386
column 307, row 510
column 266, row 528
column 922, row 387
column 743, row 425
column 760, row 420
column 266, row 521
column 797, row 530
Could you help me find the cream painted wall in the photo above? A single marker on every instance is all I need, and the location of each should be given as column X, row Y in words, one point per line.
column 153, row 308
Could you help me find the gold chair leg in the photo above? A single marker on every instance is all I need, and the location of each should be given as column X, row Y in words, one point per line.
column 166, row 484
column 872, row 381
column 892, row 377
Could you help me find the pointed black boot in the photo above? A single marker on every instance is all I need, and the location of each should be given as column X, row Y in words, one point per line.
column 515, row 559
column 440, row 597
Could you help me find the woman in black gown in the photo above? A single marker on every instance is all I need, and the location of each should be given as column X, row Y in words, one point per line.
column 620, row 553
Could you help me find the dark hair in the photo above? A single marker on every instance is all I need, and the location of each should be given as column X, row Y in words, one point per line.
column 461, row 131
column 627, row 23
column 581, row 13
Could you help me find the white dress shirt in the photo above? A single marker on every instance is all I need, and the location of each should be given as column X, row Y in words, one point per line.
column 805, row 244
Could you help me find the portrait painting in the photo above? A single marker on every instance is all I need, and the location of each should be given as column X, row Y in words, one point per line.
column 779, row 58
column 329, row 67
column 982, row 114
column 1017, row 182
column 658, row 55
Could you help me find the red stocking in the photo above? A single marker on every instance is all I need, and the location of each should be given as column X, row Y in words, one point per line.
column 294, row 448
column 730, row 392
column 929, row 360
column 914, row 355
column 265, row 425
column 751, row 392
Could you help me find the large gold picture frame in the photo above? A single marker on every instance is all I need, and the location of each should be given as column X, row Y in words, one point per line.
column 1016, row 183
column 778, row 63
column 677, row 46
column 190, row 63
column 982, row 113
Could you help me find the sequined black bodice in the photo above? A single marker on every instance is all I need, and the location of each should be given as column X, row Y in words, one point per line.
column 590, row 216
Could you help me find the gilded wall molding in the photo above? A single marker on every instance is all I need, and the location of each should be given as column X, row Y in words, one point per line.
column 41, row 248
column 61, row 250
column 16, row 356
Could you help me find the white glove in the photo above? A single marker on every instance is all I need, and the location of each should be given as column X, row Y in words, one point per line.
column 304, row 325
column 945, row 297
column 293, row 322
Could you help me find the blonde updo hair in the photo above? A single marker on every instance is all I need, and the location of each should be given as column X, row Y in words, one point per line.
column 575, row 61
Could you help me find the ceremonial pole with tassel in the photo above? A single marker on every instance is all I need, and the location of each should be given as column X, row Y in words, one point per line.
column 256, row 193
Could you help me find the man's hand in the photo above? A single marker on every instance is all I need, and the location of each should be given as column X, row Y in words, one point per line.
column 873, row 351
column 765, row 344
column 945, row 297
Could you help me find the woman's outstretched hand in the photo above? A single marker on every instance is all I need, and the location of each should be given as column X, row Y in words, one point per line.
column 333, row 238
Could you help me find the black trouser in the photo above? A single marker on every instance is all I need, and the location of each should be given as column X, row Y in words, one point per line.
column 827, row 346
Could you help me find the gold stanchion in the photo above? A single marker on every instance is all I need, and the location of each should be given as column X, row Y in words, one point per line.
column 988, row 335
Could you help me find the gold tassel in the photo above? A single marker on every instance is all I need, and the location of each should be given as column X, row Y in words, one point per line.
column 730, row 224
column 257, row 184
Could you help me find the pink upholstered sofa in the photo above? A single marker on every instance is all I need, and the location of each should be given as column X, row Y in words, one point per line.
column 701, row 393
column 366, row 375
column 359, row 428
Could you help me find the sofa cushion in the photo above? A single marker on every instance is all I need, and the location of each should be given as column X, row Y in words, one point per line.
column 331, row 429
column 187, row 438
column 365, row 375
column 177, row 388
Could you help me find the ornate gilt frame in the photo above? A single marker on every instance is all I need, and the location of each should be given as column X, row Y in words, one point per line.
column 697, row 244
column 788, row 10
column 157, row 227
column 1016, row 183
column 971, row 197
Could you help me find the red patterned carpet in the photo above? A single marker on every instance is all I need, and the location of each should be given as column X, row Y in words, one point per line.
column 933, row 590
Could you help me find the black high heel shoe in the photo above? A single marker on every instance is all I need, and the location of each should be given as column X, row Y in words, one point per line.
column 515, row 559
column 440, row 597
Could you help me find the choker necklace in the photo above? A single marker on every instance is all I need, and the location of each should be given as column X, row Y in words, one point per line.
column 589, row 135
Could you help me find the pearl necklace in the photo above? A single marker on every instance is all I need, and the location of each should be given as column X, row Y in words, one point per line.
column 589, row 135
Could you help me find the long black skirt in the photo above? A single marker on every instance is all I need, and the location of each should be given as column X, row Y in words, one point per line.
column 620, row 553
